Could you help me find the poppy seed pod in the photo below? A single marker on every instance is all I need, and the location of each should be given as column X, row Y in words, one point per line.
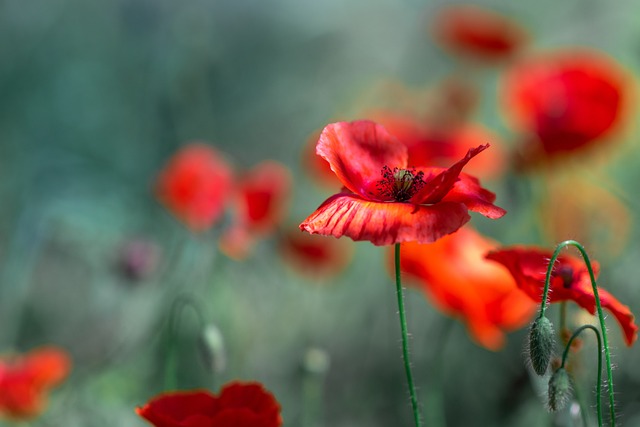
column 559, row 389
column 541, row 343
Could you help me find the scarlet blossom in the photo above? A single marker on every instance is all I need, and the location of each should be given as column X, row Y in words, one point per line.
column 473, row 31
column 386, row 201
column 194, row 186
column 569, row 282
column 457, row 278
column 239, row 404
column 261, row 202
column 564, row 100
column 25, row 380
column 315, row 256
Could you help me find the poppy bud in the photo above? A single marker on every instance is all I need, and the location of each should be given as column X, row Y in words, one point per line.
column 316, row 361
column 559, row 389
column 211, row 345
column 541, row 344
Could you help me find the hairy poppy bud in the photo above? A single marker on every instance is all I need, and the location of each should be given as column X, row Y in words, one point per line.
column 212, row 349
column 559, row 389
column 541, row 343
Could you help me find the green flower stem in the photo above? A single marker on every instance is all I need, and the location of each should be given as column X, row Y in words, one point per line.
column 171, row 363
column 603, row 326
column 405, row 339
column 599, row 381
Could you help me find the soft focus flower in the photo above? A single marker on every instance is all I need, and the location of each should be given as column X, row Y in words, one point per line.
column 477, row 32
column 315, row 256
column 138, row 259
column 194, row 185
column 25, row 380
column 569, row 282
column 564, row 100
column 261, row 202
column 462, row 283
column 385, row 200
column 239, row 405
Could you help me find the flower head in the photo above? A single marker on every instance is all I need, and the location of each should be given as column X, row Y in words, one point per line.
column 387, row 201
column 239, row 405
column 477, row 32
column 569, row 282
column 566, row 100
column 26, row 379
column 459, row 281
column 194, row 186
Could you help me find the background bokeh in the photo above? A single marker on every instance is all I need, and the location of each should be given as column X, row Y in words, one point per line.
column 96, row 97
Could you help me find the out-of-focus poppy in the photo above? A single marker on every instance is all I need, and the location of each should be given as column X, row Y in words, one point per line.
column 564, row 100
column 25, row 380
column 194, row 186
column 138, row 259
column 569, row 282
column 239, row 405
column 462, row 283
column 315, row 256
column 386, row 201
column 436, row 145
column 261, row 202
column 473, row 31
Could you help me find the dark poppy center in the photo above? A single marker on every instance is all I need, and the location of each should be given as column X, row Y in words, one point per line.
column 400, row 184
column 565, row 272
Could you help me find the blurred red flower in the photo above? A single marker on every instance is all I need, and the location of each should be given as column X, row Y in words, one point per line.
column 569, row 282
column 565, row 99
column 261, row 201
column 25, row 380
column 385, row 201
column 477, row 32
column 239, row 405
column 194, row 185
column 315, row 256
column 462, row 283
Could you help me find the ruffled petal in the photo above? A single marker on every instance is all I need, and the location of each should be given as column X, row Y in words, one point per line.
column 357, row 152
column 441, row 183
column 467, row 190
column 385, row 223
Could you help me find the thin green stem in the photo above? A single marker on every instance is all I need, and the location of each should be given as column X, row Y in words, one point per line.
column 599, row 381
column 405, row 339
column 603, row 326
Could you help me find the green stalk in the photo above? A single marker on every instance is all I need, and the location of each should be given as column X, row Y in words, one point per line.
column 405, row 340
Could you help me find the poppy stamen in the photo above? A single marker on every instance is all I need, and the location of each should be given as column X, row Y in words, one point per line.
column 400, row 184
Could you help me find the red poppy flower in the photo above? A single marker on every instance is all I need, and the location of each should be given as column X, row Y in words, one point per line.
column 566, row 99
column 238, row 405
column 261, row 198
column 315, row 256
column 477, row 32
column 26, row 380
column 194, row 186
column 461, row 282
column 385, row 201
column 569, row 282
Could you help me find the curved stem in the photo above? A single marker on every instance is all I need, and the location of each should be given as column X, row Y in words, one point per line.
column 599, row 381
column 405, row 339
column 603, row 326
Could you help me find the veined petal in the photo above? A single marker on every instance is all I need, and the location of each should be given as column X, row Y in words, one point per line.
column 357, row 152
column 467, row 190
column 385, row 223
column 437, row 187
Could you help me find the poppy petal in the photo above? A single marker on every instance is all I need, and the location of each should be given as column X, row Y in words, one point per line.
column 385, row 223
column 357, row 151
column 467, row 190
column 176, row 408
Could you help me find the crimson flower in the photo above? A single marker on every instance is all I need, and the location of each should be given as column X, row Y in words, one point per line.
column 569, row 282
column 194, row 185
column 239, row 404
column 260, row 200
column 25, row 380
column 384, row 200
column 477, row 32
column 566, row 99
column 462, row 283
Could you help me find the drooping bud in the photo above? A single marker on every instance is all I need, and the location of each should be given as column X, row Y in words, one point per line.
column 541, row 342
column 212, row 349
column 559, row 389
